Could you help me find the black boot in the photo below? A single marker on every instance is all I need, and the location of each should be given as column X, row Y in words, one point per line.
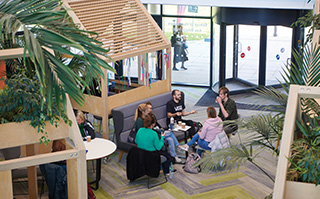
column 174, row 68
column 183, row 68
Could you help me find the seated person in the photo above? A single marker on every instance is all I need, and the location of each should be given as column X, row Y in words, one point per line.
column 85, row 126
column 58, row 145
column 175, row 109
column 147, row 139
column 141, row 113
column 228, row 109
column 169, row 137
column 212, row 127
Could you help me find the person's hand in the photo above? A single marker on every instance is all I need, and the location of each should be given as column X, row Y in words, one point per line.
column 193, row 111
column 179, row 113
column 162, row 133
column 218, row 99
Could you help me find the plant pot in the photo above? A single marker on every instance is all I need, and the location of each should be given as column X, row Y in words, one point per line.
column 298, row 190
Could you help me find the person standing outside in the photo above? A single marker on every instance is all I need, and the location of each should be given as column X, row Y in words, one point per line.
column 176, row 109
column 228, row 109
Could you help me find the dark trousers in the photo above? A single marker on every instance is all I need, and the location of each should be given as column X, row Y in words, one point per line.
column 166, row 164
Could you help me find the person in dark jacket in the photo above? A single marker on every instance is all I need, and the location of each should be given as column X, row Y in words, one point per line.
column 228, row 109
column 56, row 179
column 85, row 126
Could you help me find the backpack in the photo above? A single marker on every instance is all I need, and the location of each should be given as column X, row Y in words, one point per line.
column 90, row 193
column 192, row 159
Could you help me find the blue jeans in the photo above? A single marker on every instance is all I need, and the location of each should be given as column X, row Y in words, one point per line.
column 201, row 142
column 172, row 142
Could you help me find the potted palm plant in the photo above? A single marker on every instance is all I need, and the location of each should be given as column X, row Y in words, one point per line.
column 46, row 34
column 266, row 129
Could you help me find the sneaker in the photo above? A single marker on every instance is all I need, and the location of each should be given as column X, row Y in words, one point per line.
column 175, row 69
column 178, row 160
column 184, row 147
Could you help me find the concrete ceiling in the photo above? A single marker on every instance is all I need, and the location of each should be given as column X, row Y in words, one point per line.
column 272, row 4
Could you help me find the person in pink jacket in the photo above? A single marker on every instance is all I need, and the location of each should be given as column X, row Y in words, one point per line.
column 211, row 127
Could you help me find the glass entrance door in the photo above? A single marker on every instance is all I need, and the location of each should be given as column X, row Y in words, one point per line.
column 242, row 56
column 248, row 53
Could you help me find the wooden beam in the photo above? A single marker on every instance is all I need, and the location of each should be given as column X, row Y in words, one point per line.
column 22, row 133
column 286, row 140
column 137, row 94
column 12, row 53
column 5, row 184
column 38, row 159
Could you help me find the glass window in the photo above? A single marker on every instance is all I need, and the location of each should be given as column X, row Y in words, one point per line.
column 229, row 51
column 279, row 44
column 191, row 49
column 154, row 9
column 183, row 10
column 216, row 56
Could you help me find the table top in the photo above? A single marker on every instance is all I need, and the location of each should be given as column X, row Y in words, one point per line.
column 179, row 128
column 99, row 148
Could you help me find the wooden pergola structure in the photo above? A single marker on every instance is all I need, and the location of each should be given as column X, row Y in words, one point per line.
column 25, row 136
column 127, row 29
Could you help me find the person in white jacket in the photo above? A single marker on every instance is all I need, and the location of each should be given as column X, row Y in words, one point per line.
column 211, row 127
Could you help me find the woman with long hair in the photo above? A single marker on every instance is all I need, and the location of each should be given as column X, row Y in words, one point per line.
column 211, row 127
column 85, row 126
column 140, row 115
column 148, row 139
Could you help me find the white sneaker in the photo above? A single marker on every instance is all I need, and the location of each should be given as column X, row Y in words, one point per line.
column 184, row 147
column 178, row 160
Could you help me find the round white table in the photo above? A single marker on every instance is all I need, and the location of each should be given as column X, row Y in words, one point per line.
column 97, row 149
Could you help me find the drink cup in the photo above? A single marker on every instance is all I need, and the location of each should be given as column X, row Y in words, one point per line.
column 88, row 138
column 183, row 125
column 179, row 123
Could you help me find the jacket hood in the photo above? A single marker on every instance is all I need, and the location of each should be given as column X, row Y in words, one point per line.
column 214, row 121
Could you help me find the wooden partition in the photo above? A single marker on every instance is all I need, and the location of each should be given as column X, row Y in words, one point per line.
column 22, row 134
column 295, row 94
column 127, row 29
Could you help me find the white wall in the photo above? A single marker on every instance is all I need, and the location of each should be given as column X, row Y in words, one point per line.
column 276, row 4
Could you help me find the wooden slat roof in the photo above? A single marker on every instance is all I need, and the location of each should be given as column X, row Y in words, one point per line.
column 124, row 26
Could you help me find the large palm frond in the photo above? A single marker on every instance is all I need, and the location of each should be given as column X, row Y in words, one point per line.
column 48, row 28
column 265, row 131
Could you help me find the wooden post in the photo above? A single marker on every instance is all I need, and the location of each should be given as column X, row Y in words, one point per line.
column 77, row 176
column 32, row 174
column 104, row 95
column 5, row 184
column 168, row 69
column 316, row 34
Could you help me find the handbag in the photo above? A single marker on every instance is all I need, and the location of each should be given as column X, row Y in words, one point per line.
column 132, row 134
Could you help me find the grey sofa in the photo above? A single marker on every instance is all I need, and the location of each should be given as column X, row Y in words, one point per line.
column 123, row 119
